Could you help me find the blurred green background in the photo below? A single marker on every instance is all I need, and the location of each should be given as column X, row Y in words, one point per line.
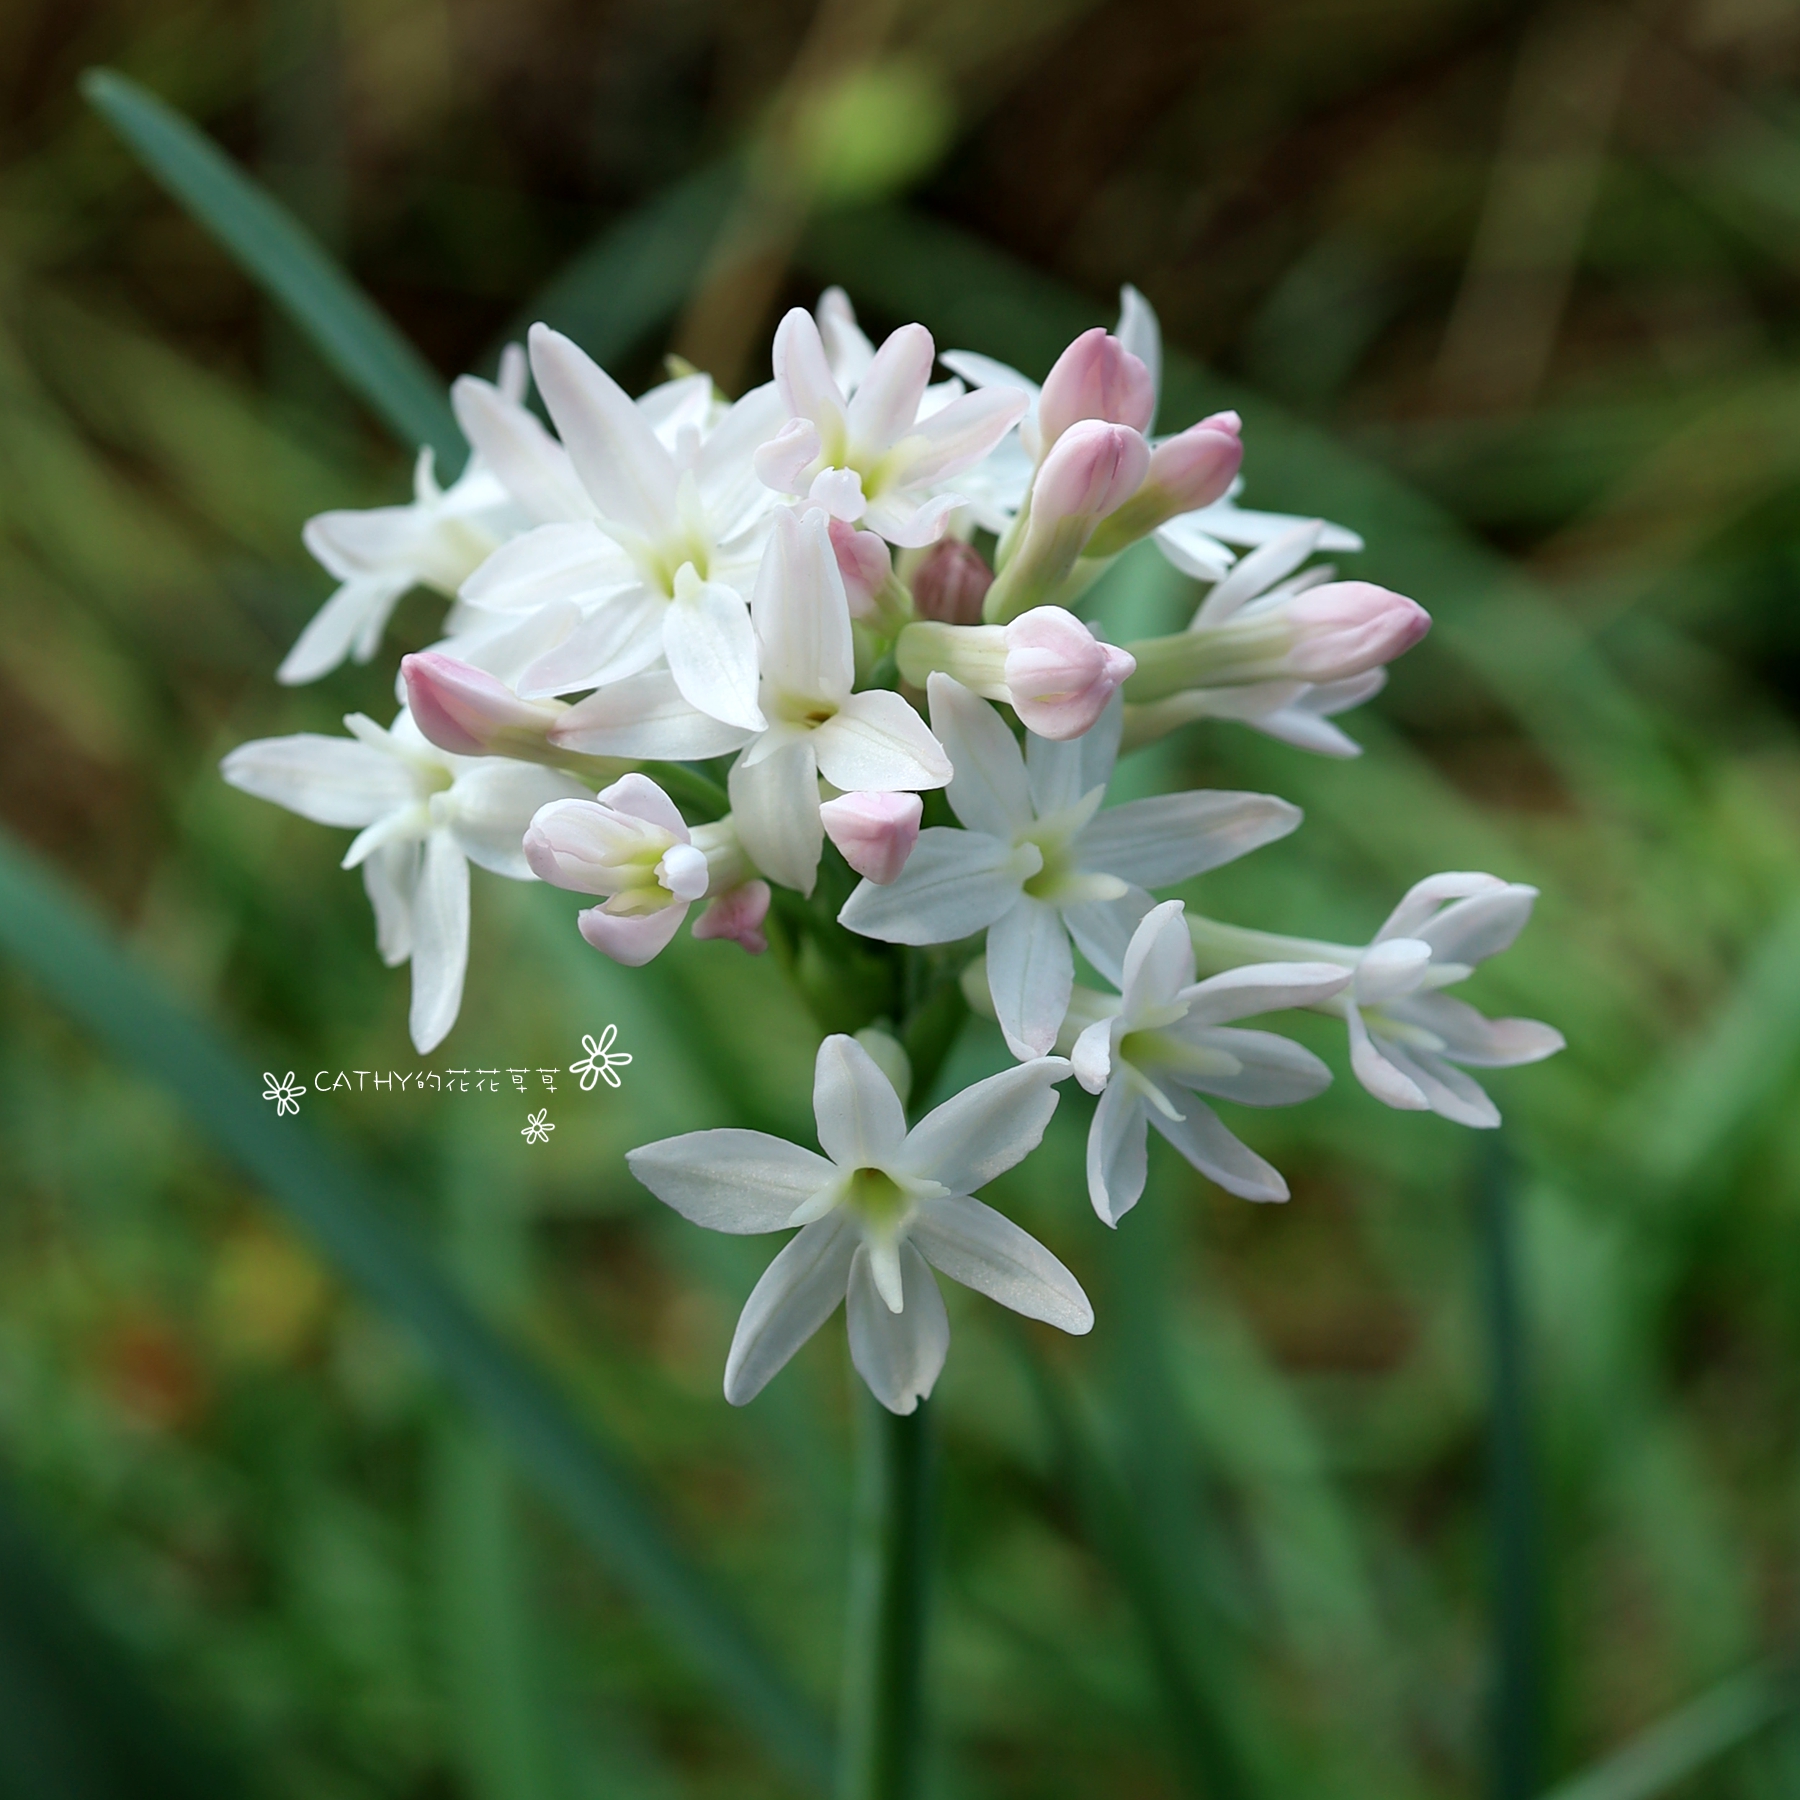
column 1510, row 290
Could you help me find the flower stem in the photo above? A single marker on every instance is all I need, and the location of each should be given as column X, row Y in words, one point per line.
column 881, row 1745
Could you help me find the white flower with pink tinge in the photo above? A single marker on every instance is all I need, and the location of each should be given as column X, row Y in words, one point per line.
column 877, row 1212
column 874, row 458
column 1038, row 861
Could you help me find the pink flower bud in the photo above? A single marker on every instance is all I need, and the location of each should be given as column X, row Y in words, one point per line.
column 951, row 583
column 738, row 914
column 1059, row 675
column 1345, row 627
column 470, row 713
column 630, row 938
column 875, row 832
column 1196, row 468
column 1096, row 378
column 615, row 845
column 1092, row 469
column 865, row 564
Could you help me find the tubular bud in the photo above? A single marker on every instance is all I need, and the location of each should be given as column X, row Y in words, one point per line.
column 1186, row 473
column 875, row 832
column 1096, row 377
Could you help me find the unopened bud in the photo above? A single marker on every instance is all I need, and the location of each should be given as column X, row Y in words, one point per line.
column 470, row 713
column 875, row 832
column 1091, row 471
column 864, row 562
column 1322, row 634
column 1187, row 472
column 738, row 914
column 951, row 582
column 631, row 844
column 1046, row 664
column 1095, row 378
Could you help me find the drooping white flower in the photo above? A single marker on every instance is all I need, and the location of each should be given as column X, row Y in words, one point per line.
column 1410, row 1042
column 1278, row 647
column 422, row 816
column 876, row 456
column 1168, row 1039
column 645, row 550
column 880, row 1209
column 379, row 555
column 632, row 845
column 816, row 724
column 1038, row 860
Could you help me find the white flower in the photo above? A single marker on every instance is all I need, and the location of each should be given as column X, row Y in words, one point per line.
column 1167, row 1031
column 874, row 458
column 1038, row 860
column 816, row 725
column 879, row 1206
column 1407, row 1037
column 378, row 555
column 422, row 816
column 646, row 550
column 1195, row 542
column 1256, row 607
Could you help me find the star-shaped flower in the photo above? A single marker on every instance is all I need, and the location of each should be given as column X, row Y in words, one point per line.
column 874, row 1211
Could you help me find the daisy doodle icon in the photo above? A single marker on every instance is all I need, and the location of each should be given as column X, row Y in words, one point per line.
column 602, row 1061
column 284, row 1090
column 537, row 1127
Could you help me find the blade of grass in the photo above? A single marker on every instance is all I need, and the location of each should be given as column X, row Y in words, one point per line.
column 1686, row 1741
column 284, row 259
column 50, row 933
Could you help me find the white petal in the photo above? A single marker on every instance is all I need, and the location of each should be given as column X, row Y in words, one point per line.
column 910, row 522
column 1258, row 571
column 1159, row 961
column 390, row 879
column 986, row 371
column 1421, row 901
column 711, row 647
column 799, row 1291
column 735, row 1181
column 1205, row 1142
column 988, row 790
column 531, row 465
column 985, row 1129
column 388, row 541
column 861, row 1124
column 619, row 638
column 886, row 401
column 506, row 645
column 986, row 1251
column 847, row 347
column 554, row 562
column 1031, row 970
column 1241, row 525
column 1262, row 987
column 899, row 1354
column 803, row 373
column 629, row 476
column 775, row 805
column 1117, row 1154
column 725, row 473
column 1388, row 1083
column 1153, row 843
column 1471, row 1038
column 491, row 804
column 877, row 742
column 1475, row 929
column 1102, row 930
column 440, row 956
column 1065, row 772
column 332, row 781
column 644, row 717
column 954, row 883
column 1141, row 334
column 1091, row 1057
column 1192, row 549
column 358, row 611
column 1274, row 1070
column 1448, row 1091
column 801, row 611
column 959, row 435
column 1389, row 968
column 1300, row 726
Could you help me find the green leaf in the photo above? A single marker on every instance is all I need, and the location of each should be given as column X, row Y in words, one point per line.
column 284, row 259
column 51, row 934
column 1685, row 1742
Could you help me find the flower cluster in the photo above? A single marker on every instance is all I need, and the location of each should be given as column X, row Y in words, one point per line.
column 692, row 641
